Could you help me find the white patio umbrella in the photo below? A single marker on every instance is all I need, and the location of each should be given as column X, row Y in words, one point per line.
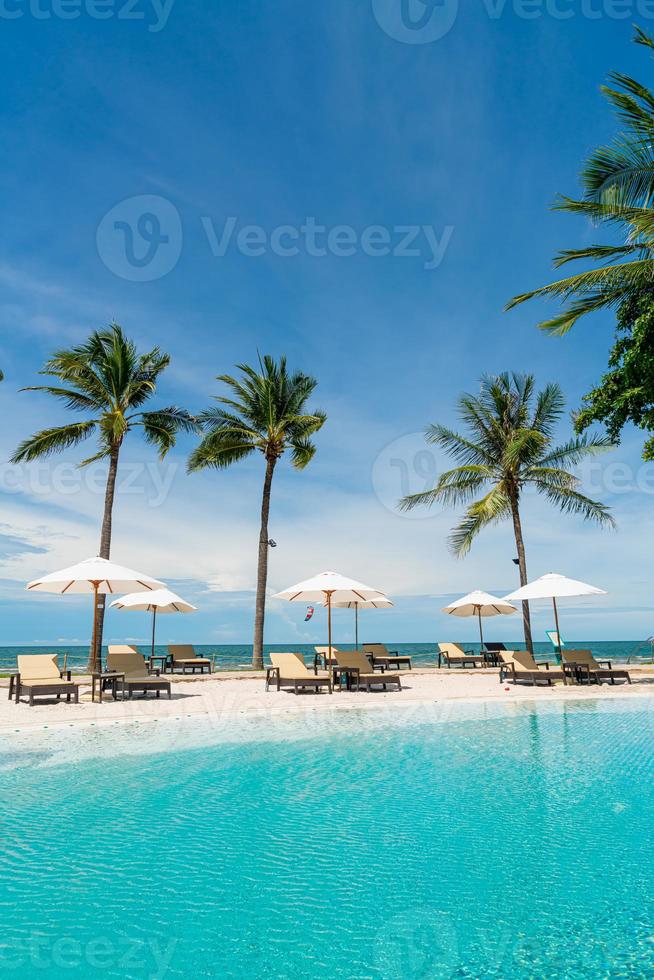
column 553, row 586
column 159, row 601
column 329, row 588
column 365, row 604
column 481, row 605
column 98, row 576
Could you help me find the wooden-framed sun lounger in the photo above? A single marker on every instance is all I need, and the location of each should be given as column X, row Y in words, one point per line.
column 290, row 670
column 183, row 655
column 39, row 675
column 355, row 666
column 138, row 675
column 492, row 652
column 381, row 656
column 519, row 665
column 454, row 655
column 583, row 665
column 322, row 658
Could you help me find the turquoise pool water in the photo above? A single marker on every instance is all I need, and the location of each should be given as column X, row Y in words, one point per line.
column 451, row 841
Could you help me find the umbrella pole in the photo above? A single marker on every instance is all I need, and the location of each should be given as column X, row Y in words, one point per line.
column 329, row 625
column 558, row 634
column 94, row 652
column 356, row 624
column 154, row 623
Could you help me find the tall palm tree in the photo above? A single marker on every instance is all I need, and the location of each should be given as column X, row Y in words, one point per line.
column 266, row 413
column 509, row 446
column 107, row 379
column 618, row 184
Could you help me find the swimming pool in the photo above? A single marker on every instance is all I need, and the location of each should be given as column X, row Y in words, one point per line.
column 454, row 841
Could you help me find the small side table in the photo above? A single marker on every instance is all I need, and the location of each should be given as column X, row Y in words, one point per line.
column 578, row 673
column 163, row 660
column 340, row 674
column 110, row 678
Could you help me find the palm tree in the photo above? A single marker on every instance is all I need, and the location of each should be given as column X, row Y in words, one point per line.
column 107, row 379
column 618, row 183
column 265, row 413
column 509, row 446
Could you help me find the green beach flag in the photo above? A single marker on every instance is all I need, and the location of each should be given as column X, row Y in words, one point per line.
column 555, row 639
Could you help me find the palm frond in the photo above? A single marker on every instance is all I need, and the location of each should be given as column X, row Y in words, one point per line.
column 549, row 409
column 491, row 509
column 598, row 253
column 161, row 427
column 302, row 452
column 458, row 447
column 53, row 440
column 523, row 446
column 641, row 37
column 622, row 174
column 74, row 400
column 573, row 502
column 218, row 451
column 576, row 450
column 455, row 487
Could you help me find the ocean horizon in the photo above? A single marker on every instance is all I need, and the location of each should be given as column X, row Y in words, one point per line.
column 234, row 656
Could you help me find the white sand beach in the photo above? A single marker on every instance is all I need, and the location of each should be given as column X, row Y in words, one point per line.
column 220, row 696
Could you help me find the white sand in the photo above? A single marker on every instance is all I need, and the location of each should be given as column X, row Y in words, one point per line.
column 223, row 695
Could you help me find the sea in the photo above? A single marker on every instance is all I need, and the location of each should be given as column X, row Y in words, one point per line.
column 238, row 656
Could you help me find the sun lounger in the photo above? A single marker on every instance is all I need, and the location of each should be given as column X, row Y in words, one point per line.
column 492, row 652
column 184, row 656
column 322, row 658
column 138, row 675
column 519, row 665
column 455, row 655
column 290, row 670
column 381, row 656
column 583, row 665
column 355, row 666
column 39, row 676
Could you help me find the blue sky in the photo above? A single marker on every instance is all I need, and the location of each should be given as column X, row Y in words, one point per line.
column 217, row 116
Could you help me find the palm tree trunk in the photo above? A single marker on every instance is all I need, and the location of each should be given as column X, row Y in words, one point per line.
column 522, row 564
column 262, row 568
column 95, row 655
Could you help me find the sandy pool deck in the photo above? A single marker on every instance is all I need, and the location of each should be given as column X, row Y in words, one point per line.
column 233, row 694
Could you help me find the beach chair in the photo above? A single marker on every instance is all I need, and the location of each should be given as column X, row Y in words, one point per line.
column 183, row 655
column 355, row 666
column 519, row 665
column 583, row 665
column 455, row 655
column 492, row 653
column 39, row 675
column 322, row 659
column 290, row 670
column 138, row 675
column 380, row 655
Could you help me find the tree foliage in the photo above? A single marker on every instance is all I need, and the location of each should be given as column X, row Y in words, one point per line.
column 265, row 411
column 107, row 379
column 618, row 192
column 509, row 445
column 626, row 392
